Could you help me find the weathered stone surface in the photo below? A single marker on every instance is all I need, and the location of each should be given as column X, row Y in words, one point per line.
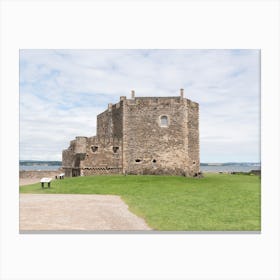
column 30, row 174
column 142, row 135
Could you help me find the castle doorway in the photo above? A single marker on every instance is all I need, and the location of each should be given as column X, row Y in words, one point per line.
column 75, row 172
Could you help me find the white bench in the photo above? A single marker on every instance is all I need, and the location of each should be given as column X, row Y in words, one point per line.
column 46, row 180
column 60, row 176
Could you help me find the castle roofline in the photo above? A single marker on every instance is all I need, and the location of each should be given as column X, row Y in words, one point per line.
column 155, row 97
column 162, row 98
column 133, row 98
column 133, row 95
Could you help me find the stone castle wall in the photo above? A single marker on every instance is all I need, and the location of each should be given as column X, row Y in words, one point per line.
column 150, row 146
column 193, row 137
column 142, row 135
column 109, row 123
column 71, row 157
column 103, row 156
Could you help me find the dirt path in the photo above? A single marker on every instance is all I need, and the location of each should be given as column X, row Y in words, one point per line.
column 76, row 212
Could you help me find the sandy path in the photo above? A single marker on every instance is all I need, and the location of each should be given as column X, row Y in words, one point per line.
column 76, row 212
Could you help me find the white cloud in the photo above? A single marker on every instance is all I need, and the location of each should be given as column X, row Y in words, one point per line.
column 62, row 91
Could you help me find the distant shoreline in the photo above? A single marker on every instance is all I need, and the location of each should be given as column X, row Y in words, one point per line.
column 203, row 168
column 59, row 163
column 224, row 167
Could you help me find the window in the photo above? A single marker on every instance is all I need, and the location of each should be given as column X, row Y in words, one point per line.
column 164, row 121
column 115, row 149
column 138, row 160
column 94, row 149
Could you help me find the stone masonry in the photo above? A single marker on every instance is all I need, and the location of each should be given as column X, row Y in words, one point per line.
column 140, row 135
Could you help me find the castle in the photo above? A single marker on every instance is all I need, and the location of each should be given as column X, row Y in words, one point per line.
column 140, row 135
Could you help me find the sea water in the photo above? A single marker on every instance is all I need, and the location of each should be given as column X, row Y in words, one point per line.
column 39, row 167
column 229, row 168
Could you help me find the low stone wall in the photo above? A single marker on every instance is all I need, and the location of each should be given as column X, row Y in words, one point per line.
column 39, row 174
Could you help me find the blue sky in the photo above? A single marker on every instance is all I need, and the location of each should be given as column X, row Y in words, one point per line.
column 62, row 91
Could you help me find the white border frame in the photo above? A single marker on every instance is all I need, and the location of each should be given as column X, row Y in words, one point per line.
column 157, row 24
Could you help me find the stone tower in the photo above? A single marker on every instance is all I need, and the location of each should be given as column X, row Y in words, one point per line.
column 140, row 135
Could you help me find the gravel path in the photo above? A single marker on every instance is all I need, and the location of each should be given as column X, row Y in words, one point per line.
column 76, row 212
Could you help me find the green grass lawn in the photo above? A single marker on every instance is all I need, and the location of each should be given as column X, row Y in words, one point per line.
column 215, row 202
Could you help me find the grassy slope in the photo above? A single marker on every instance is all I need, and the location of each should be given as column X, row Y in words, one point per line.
column 216, row 202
